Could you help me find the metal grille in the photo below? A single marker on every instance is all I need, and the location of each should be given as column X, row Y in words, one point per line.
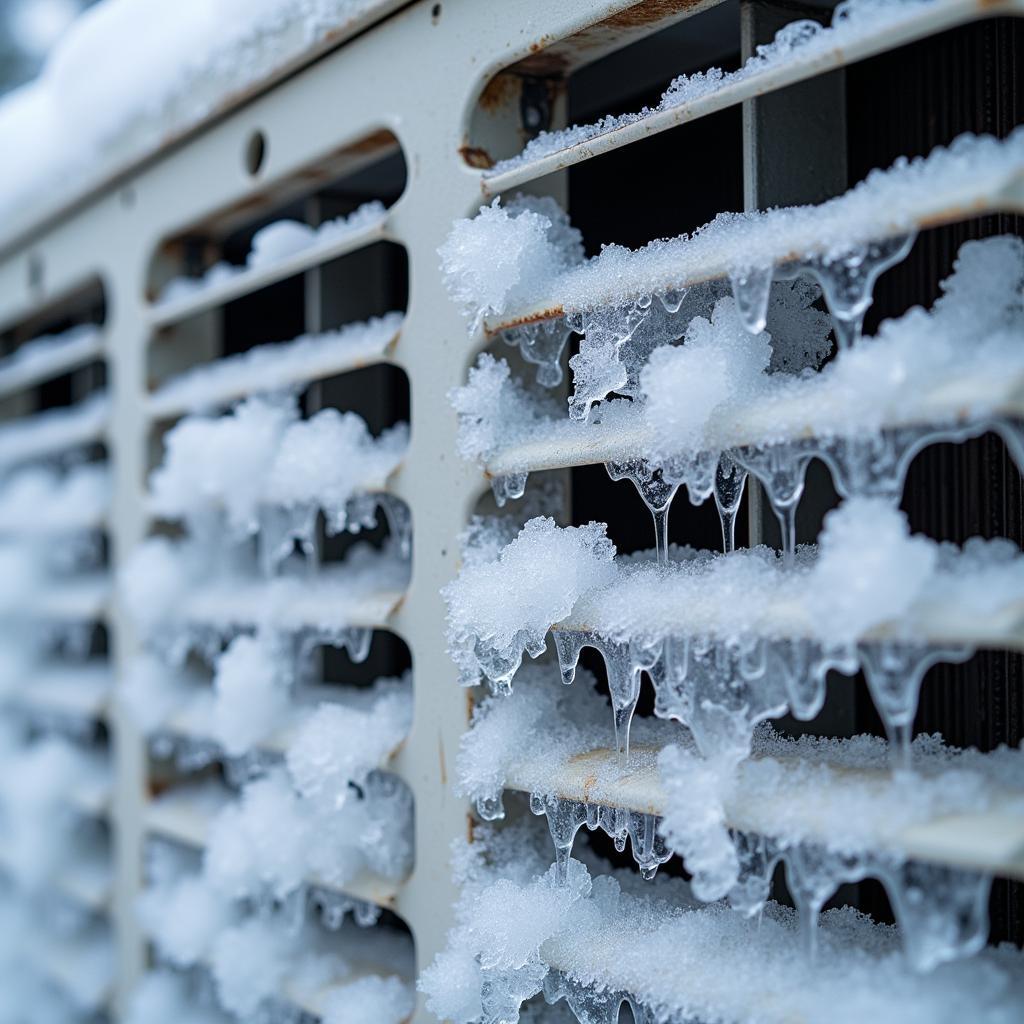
column 413, row 111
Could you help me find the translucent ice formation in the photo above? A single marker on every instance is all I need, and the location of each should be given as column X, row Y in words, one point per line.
column 725, row 397
column 275, row 367
column 844, row 243
column 535, row 741
column 596, row 944
column 731, row 640
column 830, row 811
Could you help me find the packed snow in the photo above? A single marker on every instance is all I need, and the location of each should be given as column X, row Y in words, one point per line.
column 829, row 808
column 724, row 398
column 273, row 458
column 732, row 639
column 537, row 244
column 276, row 367
column 39, row 499
column 262, row 469
column 53, row 432
column 276, row 243
column 596, row 942
column 272, row 961
column 165, row 996
column 121, row 82
column 178, row 592
column 49, row 356
column 844, row 243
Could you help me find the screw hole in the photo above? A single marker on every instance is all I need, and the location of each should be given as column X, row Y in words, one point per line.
column 255, row 152
column 435, row 13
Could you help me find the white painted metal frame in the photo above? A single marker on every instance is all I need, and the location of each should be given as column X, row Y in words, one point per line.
column 418, row 75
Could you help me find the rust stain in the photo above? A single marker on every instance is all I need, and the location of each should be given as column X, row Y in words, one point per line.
column 588, row 784
column 476, row 157
column 444, row 767
column 552, row 62
column 500, row 92
column 649, row 12
column 380, row 139
column 551, row 313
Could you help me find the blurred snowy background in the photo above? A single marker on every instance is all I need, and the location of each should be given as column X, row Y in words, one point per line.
column 28, row 30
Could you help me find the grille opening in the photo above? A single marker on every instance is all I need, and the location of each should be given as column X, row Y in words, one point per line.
column 952, row 491
column 372, row 169
column 83, row 304
column 388, row 656
column 332, row 297
column 650, row 42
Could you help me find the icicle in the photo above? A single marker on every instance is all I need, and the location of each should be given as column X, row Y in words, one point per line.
column 668, row 676
column 279, row 528
column 624, row 663
column 757, row 856
column 781, row 469
column 564, row 820
column 334, row 907
column 513, row 485
column 875, row 466
column 942, row 912
column 491, row 807
column 695, row 472
column 730, row 480
column 725, row 707
column 657, row 494
column 848, row 280
column 649, row 850
column 672, row 299
column 751, row 288
column 568, row 644
column 813, row 874
column 588, row 1004
column 399, row 519
column 357, row 640
column 803, row 665
column 1012, row 433
column 542, row 343
column 894, row 670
